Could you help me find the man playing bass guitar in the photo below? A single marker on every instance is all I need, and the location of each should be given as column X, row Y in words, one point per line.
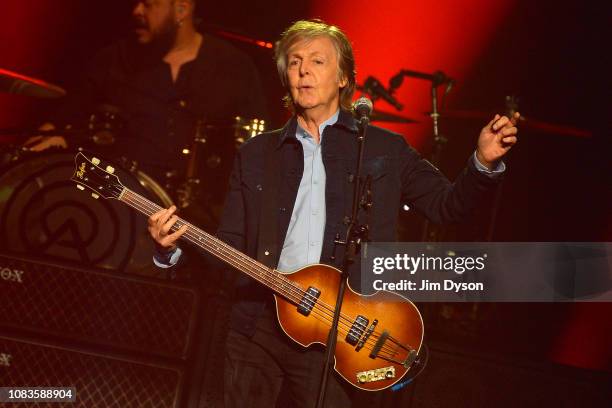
column 296, row 184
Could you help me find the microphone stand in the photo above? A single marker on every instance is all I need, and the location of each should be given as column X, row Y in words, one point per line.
column 354, row 235
column 436, row 79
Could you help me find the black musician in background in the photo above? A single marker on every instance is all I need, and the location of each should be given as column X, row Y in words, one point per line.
column 161, row 82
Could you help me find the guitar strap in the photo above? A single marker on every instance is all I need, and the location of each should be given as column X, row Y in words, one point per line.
column 268, row 246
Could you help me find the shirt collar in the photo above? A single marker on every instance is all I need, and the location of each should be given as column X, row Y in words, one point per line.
column 301, row 133
column 341, row 118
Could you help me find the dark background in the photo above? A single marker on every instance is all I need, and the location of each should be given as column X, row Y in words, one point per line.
column 553, row 55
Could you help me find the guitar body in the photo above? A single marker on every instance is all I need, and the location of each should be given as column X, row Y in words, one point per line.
column 379, row 335
column 394, row 313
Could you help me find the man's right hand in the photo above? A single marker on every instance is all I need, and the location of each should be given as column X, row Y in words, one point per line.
column 160, row 225
column 40, row 143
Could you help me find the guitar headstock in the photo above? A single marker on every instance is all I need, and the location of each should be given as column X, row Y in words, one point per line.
column 102, row 182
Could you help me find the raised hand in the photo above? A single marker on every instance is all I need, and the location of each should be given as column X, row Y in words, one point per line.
column 496, row 138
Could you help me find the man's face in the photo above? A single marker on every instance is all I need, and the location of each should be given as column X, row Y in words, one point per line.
column 313, row 74
column 154, row 19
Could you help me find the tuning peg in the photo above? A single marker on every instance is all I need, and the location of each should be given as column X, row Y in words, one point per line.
column 94, row 195
column 95, row 160
column 110, row 169
column 80, row 187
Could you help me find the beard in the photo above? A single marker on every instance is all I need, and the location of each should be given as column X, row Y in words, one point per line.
column 143, row 55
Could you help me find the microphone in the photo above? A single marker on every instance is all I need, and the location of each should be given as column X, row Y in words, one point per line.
column 377, row 90
column 363, row 109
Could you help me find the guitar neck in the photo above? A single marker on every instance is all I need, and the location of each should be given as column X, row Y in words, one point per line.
column 269, row 277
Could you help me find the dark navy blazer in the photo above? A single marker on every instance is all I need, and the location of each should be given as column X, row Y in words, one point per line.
column 399, row 176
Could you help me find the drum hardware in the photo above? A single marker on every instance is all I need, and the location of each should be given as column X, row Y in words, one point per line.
column 11, row 154
column 222, row 32
column 99, row 130
column 525, row 122
column 186, row 192
column 209, row 159
column 253, row 127
column 129, row 165
column 19, row 84
column 375, row 90
column 378, row 116
column 104, row 123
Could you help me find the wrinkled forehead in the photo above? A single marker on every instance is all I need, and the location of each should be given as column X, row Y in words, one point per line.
column 312, row 45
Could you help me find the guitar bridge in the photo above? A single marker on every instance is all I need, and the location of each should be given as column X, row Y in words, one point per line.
column 308, row 301
column 378, row 346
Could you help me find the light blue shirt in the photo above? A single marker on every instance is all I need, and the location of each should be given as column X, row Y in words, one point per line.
column 498, row 170
column 167, row 261
column 304, row 240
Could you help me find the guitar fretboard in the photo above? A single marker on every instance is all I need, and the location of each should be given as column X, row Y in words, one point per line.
column 269, row 277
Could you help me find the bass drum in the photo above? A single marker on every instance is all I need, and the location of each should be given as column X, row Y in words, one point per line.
column 43, row 214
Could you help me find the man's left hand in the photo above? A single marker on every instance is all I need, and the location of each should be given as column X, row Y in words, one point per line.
column 496, row 138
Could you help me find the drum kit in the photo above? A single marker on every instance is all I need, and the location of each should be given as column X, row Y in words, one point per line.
column 42, row 214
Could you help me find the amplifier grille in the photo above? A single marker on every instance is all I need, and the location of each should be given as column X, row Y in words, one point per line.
column 100, row 308
column 100, row 381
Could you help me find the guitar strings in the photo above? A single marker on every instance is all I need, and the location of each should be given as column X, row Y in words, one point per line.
column 148, row 207
column 263, row 270
column 228, row 258
column 151, row 206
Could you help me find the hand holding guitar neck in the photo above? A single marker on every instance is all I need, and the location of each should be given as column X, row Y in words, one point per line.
column 160, row 224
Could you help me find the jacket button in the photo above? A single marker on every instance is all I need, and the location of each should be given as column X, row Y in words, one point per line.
column 282, row 209
column 259, row 187
column 346, row 220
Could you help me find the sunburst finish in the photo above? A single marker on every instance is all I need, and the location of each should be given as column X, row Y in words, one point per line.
column 394, row 313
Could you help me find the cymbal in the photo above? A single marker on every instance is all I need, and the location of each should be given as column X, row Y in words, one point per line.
column 524, row 122
column 19, row 84
column 553, row 128
column 378, row 116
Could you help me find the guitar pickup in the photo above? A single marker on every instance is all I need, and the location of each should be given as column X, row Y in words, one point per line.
column 366, row 336
column 308, row 301
column 357, row 329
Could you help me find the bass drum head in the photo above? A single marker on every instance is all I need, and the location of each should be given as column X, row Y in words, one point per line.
column 43, row 214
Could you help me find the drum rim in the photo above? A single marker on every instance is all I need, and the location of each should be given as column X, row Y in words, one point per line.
column 145, row 180
column 36, row 162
